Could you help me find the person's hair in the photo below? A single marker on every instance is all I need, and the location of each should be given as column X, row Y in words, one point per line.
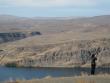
column 93, row 55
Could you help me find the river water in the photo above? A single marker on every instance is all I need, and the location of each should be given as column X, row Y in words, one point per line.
column 29, row 73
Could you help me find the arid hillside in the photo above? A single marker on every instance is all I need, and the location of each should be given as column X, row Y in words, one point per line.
column 54, row 25
column 63, row 43
column 72, row 53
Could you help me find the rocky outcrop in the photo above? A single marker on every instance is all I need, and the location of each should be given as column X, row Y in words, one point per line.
column 68, row 54
column 12, row 36
column 35, row 33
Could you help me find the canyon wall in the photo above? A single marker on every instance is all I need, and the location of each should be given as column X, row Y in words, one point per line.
column 69, row 54
column 12, row 36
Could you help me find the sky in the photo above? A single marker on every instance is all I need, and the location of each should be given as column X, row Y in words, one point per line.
column 54, row 8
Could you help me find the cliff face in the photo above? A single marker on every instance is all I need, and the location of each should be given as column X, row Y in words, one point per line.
column 73, row 53
column 5, row 37
column 12, row 36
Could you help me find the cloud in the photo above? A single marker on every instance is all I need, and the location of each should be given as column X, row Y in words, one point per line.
column 49, row 3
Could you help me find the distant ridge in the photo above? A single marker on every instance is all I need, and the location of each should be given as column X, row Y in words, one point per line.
column 48, row 25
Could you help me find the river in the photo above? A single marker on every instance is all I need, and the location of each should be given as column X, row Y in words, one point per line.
column 29, row 73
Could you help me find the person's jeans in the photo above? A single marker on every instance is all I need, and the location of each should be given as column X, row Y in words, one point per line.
column 93, row 69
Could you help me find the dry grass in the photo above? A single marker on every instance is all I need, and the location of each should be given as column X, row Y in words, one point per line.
column 80, row 79
column 84, row 81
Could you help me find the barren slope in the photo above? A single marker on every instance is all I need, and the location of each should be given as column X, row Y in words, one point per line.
column 66, row 49
column 73, row 46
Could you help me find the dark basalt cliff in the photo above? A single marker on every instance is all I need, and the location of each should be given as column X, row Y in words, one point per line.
column 12, row 36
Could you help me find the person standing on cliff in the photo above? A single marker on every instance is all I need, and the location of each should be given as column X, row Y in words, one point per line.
column 93, row 64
